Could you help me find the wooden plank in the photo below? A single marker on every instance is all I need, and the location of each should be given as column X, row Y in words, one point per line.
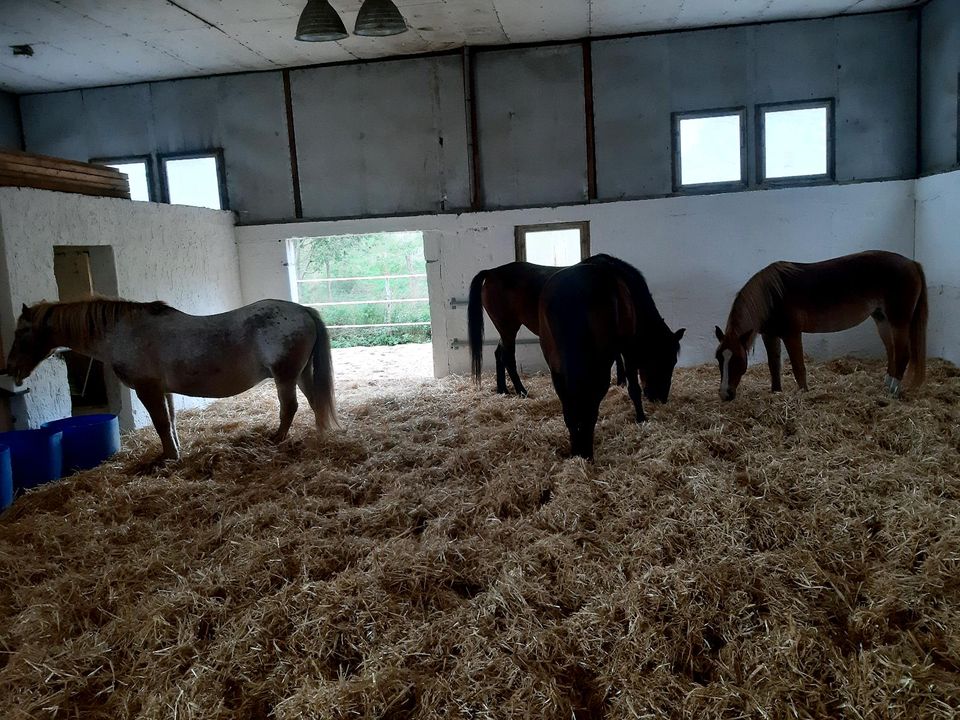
column 63, row 185
column 26, row 171
column 52, row 162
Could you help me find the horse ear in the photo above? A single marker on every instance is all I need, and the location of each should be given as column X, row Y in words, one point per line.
column 718, row 332
column 679, row 334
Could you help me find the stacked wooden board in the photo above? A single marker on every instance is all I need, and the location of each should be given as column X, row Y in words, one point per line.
column 18, row 169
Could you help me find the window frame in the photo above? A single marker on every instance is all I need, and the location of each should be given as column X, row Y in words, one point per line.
column 215, row 153
column 147, row 160
column 720, row 185
column 761, row 120
column 520, row 236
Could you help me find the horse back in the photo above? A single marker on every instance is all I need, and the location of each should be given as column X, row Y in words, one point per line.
column 511, row 294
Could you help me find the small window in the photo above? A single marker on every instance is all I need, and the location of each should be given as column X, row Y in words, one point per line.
column 137, row 170
column 558, row 244
column 795, row 141
column 709, row 149
column 195, row 179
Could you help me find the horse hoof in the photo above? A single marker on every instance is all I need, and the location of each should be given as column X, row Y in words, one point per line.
column 522, row 393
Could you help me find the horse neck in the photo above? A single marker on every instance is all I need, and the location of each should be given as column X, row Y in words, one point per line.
column 648, row 317
column 91, row 344
column 750, row 310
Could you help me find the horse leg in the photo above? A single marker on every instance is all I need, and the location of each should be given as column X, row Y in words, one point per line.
column 305, row 383
column 772, row 344
column 287, row 394
column 153, row 399
column 171, row 411
column 886, row 334
column 510, row 360
column 794, row 345
column 634, row 390
column 901, row 356
column 621, row 374
column 501, row 370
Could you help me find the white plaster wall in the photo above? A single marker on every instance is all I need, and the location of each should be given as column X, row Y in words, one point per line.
column 938, row 250
column 182, row 255
column 696, row 252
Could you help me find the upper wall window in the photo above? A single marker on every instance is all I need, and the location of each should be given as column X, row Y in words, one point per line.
column 795, row 141
column 196, row 179
column 558, row 244
column 137, row 170
column 709, row 149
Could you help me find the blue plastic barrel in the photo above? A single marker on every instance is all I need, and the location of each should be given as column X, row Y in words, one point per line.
column 36, row 456
column 88, row 440
column 6, row 478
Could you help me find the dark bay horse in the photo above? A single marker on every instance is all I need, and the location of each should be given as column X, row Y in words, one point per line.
column 786, row 299
column 590, row 314
column 511, row 296
column 157, row 350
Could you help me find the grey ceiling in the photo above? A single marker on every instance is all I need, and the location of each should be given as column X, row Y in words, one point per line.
column 82, row 43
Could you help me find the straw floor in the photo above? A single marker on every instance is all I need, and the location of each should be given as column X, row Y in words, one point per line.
column 781, row 556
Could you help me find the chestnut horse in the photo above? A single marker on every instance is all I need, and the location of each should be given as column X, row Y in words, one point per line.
column 157, row 350
column 511, row 296
column 785, row 300
column 591, row 314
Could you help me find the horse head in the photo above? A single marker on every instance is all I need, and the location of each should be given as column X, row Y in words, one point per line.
column 657, row 367
column 732, row 359
column 31, row 346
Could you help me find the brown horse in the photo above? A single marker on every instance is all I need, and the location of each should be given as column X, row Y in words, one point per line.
column 786, row 299
column 157, row 350
column 511, row 296
column 591, row 314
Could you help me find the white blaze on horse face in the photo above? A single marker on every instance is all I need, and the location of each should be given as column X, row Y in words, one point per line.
column 725, row 373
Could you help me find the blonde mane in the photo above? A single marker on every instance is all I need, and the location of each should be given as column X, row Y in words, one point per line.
column 755, row 301
column 82, row 321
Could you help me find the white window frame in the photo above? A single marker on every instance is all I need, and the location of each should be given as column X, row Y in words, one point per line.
column 720, row 185
column 216, row 154
column 520, row 236
column 762, row 110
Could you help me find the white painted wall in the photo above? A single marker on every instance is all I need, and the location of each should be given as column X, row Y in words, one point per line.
column 938, row 250
column 182, row 255
column 696, row 252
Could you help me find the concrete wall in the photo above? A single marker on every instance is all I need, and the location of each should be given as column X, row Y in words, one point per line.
column 938, row 250
column 867, row 63
column 244, row 114
column 391, row 138
column 696, row 252
column 381, row 138
column 531, row 125
column 9, row 122
column 940, row 62
column 185, row 256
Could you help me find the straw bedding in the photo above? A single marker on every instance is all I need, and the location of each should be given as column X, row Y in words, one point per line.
column 791, row 556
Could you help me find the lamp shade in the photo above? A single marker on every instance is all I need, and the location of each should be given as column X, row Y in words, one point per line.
column 319, row 22
column 379, row 18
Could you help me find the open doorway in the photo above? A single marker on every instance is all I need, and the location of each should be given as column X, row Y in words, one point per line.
column 371, row 290
column 81, row 273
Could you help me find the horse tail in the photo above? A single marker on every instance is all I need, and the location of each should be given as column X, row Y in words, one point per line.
column 917, row 369
column 475, row 325
column 324, row 403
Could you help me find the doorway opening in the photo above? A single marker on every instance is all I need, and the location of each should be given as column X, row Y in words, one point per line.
column 81, row 273
column 371, row 291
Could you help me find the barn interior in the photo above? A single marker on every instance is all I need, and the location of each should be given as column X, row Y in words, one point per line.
column 439, row 555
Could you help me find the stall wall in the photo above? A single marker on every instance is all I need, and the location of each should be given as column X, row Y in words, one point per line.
column 938, row 250
column 696, row 252
column 184, row 256
column 940, row 65
column 9, row 122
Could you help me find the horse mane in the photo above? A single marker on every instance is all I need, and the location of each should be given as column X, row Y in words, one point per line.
column 637, row 284
column 757, row 299
column 86, row 320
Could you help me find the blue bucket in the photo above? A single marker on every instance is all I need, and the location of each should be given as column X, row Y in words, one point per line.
column 88, row 440
column 6, row 478
column 36, row 456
